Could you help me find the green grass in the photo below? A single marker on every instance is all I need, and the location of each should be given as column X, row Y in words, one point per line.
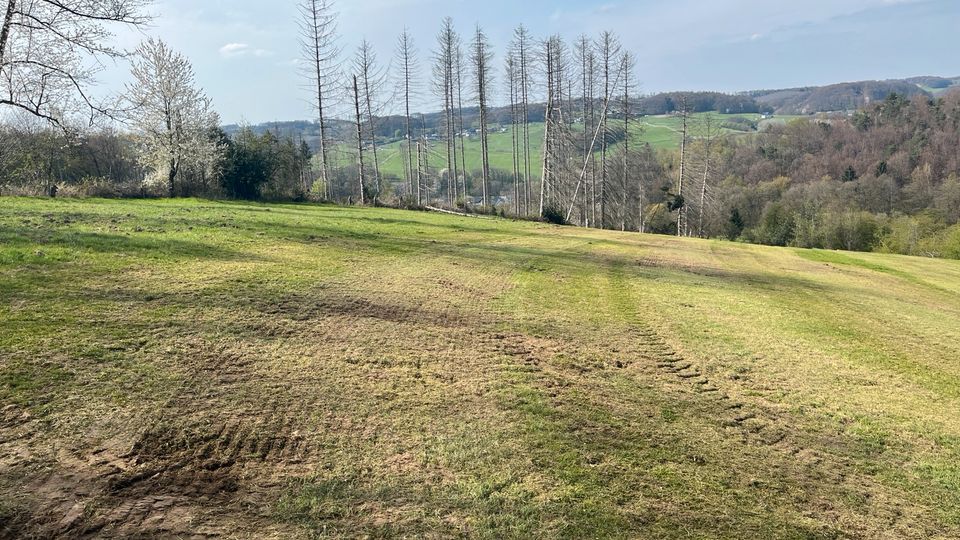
column 174, row 367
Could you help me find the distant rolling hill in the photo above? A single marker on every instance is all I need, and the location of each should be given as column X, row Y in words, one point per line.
column 847, row 96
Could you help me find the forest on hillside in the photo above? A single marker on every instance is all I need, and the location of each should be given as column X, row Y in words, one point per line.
column 886, row 178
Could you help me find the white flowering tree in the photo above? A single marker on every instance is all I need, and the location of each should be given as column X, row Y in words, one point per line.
column 50, row 51
column 174, row 119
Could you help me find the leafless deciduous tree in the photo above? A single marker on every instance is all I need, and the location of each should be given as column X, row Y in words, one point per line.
column 46, row 48
column 318, row 41
column 173, row 117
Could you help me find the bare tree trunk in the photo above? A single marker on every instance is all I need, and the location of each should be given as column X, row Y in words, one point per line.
column 460, row 128
column 377, row 179
column 708, row 147
column 514, row 145
column 481, row 64
column 703, row 197
column 451, row 144
column 583, row 50
column 301, row 158
column 356, row 101
column 426, row 159
column 603, row 139
column 448, row 121
column 5, row 30
column 681, row 214
column 627, row 65
column 453, row 183
column 419, row 170
column 172, row 178
column 591, row 67
column 545, row 177
column 406, row 107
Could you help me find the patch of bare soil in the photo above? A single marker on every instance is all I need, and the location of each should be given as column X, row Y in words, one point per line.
column 213, row 457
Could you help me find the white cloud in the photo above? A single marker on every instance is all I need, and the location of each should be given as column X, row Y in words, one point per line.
column 238, row 50
column 231, row 50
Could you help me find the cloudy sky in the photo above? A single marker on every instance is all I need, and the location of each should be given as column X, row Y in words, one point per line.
column 245, row 51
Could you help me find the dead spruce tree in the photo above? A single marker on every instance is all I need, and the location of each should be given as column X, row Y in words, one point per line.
column 522, row 48
column 608, row 50
column 559, row 146
column 459, row 127
column 548, row 126
column 359, row 129
column 511, row 79
column 586, row 58
column 600, row 122
column 710, row 132
column 444, row 85
column 171, row 115
column 482, row 59
column 45, row 48
column 320, row 53
column 627, row 63
column 372, row 79
column 406, row 58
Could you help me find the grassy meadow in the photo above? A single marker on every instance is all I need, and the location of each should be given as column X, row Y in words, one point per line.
column 185, row 367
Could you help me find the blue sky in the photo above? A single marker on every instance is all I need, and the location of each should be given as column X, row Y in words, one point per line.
column 245, row 51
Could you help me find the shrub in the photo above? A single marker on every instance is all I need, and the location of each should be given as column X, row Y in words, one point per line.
column 553, row 214
column 852, row 231
column 907, row 235
column 776, row 226
column 951, row 243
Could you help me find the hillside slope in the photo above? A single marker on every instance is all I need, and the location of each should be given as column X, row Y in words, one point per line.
column 170, row 368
